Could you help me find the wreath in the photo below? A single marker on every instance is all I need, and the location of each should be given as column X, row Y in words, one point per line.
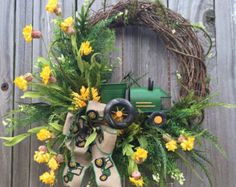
column 85, row 122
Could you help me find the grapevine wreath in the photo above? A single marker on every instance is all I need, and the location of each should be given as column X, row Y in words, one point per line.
column 86, row 123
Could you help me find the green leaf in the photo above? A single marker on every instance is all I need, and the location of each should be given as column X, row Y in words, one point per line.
column 56, row 126
column 163, row 156
column 36, row 129
column 77, row 53
column 203, row 157
column 30, row 94
column 198, row 25
column 94, row 63
column 132, row 166
column 42, row 61
column 49, row 147
column 91, row 138
column 11, row 141
column 127, row 150
column 143, row 142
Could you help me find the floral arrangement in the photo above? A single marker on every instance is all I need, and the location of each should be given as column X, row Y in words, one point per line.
column 69, row 79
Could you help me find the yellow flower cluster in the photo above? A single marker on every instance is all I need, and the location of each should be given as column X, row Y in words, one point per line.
column 140, row 155
column 77, row 101
column 52, row 5
column 27, row 33
column 137, row 182
column 48, row 178
column 66, row 24
column 46, row 74
column 171, row 145
column 41, row 157
column 53, row 164
column 44, row 135
column 85, row 48
column 188, row 143
column 21, row 83
column 80, row 100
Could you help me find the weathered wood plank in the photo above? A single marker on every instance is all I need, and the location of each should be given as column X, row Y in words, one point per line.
column 145, row 55
column 6, row 73
column 197, row 11
column 225, row 13
column 21, row 157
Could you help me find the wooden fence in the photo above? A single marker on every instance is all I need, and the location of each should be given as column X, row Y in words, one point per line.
column 141, row 51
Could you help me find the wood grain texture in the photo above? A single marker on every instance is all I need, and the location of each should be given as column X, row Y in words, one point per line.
column 21, row 157
column 225, row 74
column 6, row 98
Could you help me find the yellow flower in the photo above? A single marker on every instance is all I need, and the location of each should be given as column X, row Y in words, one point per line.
column 137, row 182
column 44, row 134
column 41, row 157
column 53, row 164
column 45, row 74
column 27, row 33
column 188, row 144
column 84, row 93
column 85, row 48
column 95, row 94
column 48, row 178
column 21, row 83
column 80, row 100
column 140, row 155
column 68, row 22
column 171, row 145
column 77, row 101
column 52, row 5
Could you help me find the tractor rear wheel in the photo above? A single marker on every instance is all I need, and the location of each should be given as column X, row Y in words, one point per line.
column 119, row 113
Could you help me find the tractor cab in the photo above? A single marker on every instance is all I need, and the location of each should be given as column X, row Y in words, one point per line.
column 148, row 100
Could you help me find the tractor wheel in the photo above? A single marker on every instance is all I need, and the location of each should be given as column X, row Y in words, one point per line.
column 72, row 164
column 158, row 119
column 99, row 162
column 119, row 113
column 66, row 179
column 92, row 114
column 103, row 177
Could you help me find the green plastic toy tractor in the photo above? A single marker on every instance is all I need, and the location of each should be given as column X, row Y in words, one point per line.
column 122, row 104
